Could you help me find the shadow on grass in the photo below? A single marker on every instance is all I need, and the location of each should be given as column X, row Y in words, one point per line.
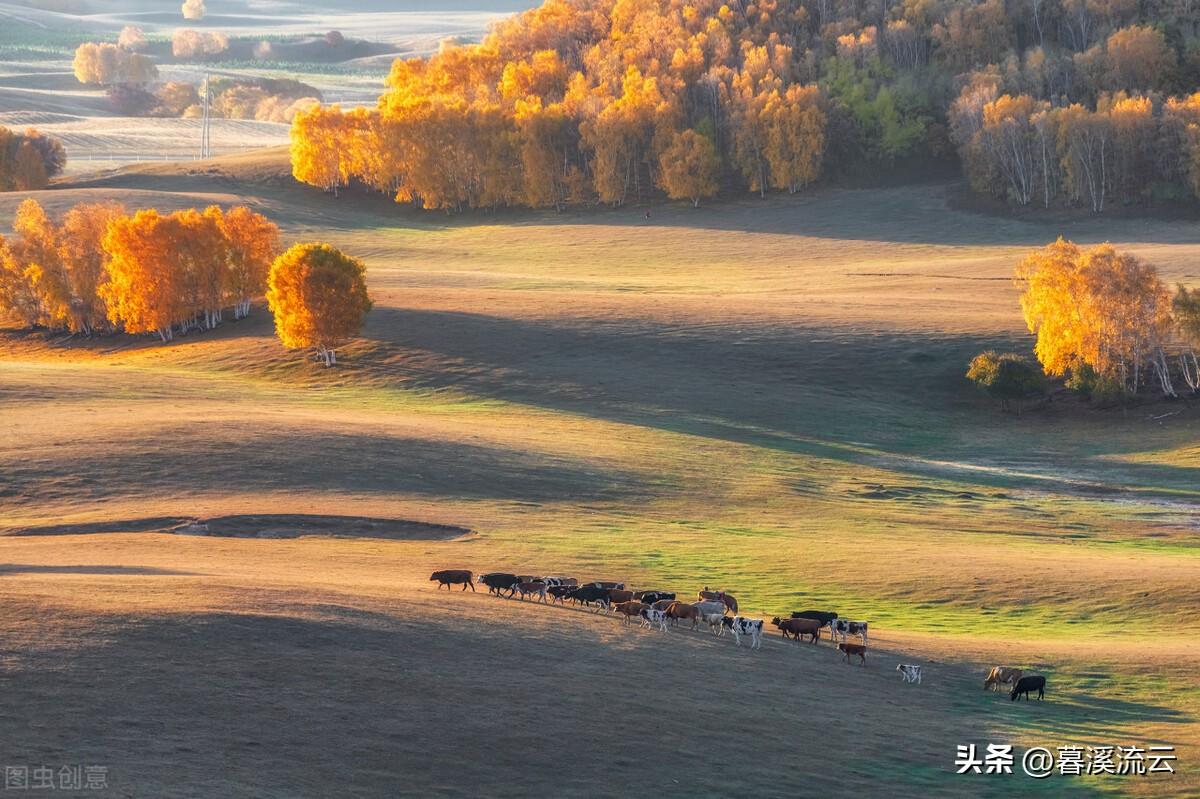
column 25, row 568
column 794, row 389
column 452, row 704
column 259, row 457
column 261, row 525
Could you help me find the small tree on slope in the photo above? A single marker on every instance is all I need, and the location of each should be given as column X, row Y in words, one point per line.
column 318, row 295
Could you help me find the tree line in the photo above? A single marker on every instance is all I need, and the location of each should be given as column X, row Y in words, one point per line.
column 28, row 160
column 102, row 270
column 608, row 100
column 1104, row 321
column 1131, row 149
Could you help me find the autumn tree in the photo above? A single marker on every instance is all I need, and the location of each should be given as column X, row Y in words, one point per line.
column 1186, row 306
column 36, row 249
column 193, row 9
column 319, row 298
column 142, row 293
column 795, row 129
column 105, row 64
column 188, row 43
column 175, row 97
column 1085, row 141
column 85, row 263
column 251, row 245
column 1138, row 59
column 28, row 169
column 17, row 295
column 1097, row 310
column 318, row 157
column 132, row 38
column 688, row 167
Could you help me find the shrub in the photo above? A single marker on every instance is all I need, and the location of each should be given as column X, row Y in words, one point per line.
column 1006, row 376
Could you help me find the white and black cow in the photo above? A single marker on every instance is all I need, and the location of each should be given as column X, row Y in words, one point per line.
column 651, row 617
column 841, row 627
column 740, row 625
column 910, row 672
column 571, row 581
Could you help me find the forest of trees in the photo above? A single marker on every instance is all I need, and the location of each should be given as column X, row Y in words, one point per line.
column 107, row 64
column 28, row 160
column 1105, row 321
column 264, row 99
column 1047, row 102
column 101, row 269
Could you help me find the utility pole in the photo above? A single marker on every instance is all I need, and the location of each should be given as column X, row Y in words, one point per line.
column 205, row 137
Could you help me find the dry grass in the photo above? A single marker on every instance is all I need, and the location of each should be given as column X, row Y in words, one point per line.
column 764, row 396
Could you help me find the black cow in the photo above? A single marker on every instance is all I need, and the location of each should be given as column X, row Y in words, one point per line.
column 650, row 597
column 1034, row 682
column 560, row 592
column 825, row 617
column 588, row 594
column 500, row 581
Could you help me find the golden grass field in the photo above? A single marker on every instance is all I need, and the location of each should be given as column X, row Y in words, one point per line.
column 766, row 396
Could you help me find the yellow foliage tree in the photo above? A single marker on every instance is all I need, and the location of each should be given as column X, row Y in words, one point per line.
column 1098, row 310
column 319, row 298
column 688, row 167
column 17, row 296
column 142, row 293
column 36, row 249
column 85, row 261
column 106, row 64
column 252, row 244
column 318, row 155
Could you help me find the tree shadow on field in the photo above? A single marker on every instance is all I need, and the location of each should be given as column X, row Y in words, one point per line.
column 260, row 525
column 26, row 568
column 914, row 214
column 263, row 457
column 813, row 390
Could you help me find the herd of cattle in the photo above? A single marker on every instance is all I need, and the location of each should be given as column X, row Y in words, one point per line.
column 658, row 609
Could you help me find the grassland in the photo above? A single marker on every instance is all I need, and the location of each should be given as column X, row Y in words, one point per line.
column 766, row 396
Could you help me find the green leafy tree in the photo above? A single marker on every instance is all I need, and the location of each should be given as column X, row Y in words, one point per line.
column 1007, row 377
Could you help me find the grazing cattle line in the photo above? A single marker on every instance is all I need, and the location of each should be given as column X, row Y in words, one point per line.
column 657, row 609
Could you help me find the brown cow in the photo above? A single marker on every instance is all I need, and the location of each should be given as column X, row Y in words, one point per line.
column 854, row 649
column 720, row 596
column 630, row 609
column 537, row 588
column 663, row 604
column 797, row 627
column 617, row 595
column 682, row 610
column 1001, row 675
column 449, row 577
